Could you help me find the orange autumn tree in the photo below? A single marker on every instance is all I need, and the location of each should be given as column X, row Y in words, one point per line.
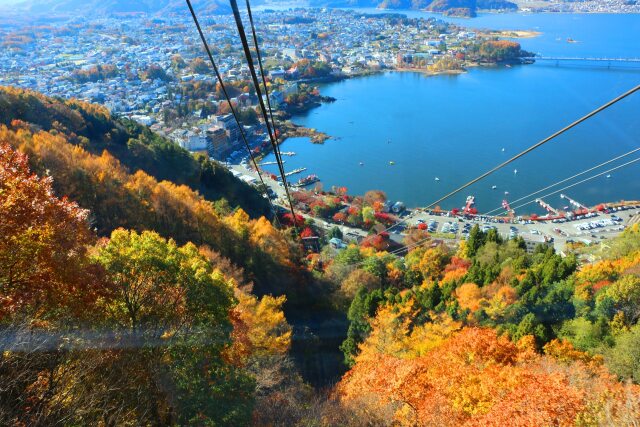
column 42, row 243
column 476, row 378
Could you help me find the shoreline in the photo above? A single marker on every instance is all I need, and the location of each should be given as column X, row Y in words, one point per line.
column 496, row 12
column 515, row 34
column 428, row 73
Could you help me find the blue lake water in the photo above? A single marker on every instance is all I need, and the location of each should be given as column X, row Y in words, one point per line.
column 455, row 127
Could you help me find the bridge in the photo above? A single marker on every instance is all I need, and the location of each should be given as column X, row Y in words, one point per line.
column 583, row 59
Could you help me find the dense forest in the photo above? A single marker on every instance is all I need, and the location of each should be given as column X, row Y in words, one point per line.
column 127, row 297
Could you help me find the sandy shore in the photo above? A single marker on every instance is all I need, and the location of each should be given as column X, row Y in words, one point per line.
column 430, row 73
column 516, row 34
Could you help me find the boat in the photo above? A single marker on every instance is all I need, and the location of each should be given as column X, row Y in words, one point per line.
column 361, row 163
column 503, row 150
column 608, row 176
column 388, row 141
column 307, row 180
column 391, row 163
column 494, row 187
column 570, row 40
column 506, row 193
column 437, row 179
column 515, row 171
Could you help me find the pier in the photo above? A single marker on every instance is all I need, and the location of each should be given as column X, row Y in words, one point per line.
column 609, row 62
column 295, row 171
column 596, row 59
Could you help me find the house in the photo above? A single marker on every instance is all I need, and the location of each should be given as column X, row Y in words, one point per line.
column 337, row 243
column 532, row 241
column 277, row 74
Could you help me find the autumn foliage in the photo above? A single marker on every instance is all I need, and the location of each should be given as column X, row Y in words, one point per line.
column 477, row 378
column 43, row 241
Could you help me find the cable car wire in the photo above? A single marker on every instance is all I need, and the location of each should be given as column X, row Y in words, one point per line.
column 233, row 111
column 252, row 70
column 564, row 180
column 537, row 145
column 580, row 182
column 517, row 156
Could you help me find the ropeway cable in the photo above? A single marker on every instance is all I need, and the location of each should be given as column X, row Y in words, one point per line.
column 517, row 156
column 582, row 181
column 252, row 70
column 538, row 144
column 228, row 98
column 564, row 180
column 264, row 80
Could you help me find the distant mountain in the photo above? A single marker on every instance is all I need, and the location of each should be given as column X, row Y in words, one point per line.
column 464, row 7
column 101, row 7
column 88, row 7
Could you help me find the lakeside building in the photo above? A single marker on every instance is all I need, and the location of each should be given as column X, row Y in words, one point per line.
column 218, row 145
column 533, row 241
column 228, row 123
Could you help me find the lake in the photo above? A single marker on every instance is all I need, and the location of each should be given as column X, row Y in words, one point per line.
column 456, row 127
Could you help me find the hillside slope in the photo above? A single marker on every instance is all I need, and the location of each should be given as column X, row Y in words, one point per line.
column 93, row 128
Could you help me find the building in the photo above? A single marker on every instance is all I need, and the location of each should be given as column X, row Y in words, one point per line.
column 193, row 142
column 532, row 241
column 228, row 123
column 218, row 145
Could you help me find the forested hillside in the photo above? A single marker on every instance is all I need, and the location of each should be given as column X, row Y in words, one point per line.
column 91, row 127
column 126, row 299
column 131, row 330
column 491, row 335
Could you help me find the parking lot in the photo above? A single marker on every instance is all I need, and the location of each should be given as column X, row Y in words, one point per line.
column 587, row 229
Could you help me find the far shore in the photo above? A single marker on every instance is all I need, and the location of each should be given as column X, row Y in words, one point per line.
column 430, row 73
column 516, row 34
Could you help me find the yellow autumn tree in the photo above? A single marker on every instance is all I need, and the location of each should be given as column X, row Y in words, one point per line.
column 394, row 334
column 267, row 329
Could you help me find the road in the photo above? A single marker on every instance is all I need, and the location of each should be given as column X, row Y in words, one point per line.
column 529, row 231
column 350, row 233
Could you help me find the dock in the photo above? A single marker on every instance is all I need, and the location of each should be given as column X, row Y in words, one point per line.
column 295, row 171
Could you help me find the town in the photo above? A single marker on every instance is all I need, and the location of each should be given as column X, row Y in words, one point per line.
column 173, row 90
column 590, row 6
column 157, row 74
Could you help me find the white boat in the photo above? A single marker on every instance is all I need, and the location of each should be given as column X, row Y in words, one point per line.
column 608, row 176
column 503, row 150
column 506, row 193
column 494, row 187
column 361, row 163
column 515, row 171
column 437, row 179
